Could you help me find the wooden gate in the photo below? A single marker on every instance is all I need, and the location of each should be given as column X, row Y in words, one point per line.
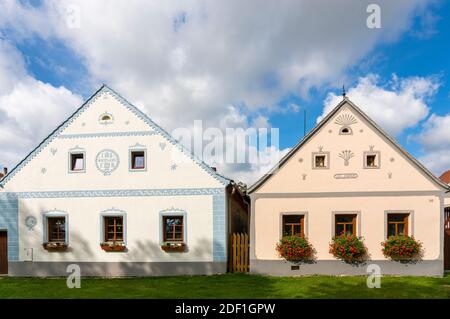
column 447, row 239
column 239, row 253
column 3, row 252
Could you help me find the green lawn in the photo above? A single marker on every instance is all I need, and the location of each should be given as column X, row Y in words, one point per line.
column 227, row 286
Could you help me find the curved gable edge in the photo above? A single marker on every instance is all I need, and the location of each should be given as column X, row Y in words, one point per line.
column 104, row 88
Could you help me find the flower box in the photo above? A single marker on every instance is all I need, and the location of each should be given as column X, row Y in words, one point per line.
column 55, row 246
column 349, row 248
column 295, row 249
column 113, row 246
column 402, row 248
column 173, row 247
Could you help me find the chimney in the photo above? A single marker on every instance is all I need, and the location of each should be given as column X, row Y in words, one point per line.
column 214, row 169
column 5, row 171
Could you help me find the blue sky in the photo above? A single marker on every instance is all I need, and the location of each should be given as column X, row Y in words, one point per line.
column 411, row 55
column 228, row 66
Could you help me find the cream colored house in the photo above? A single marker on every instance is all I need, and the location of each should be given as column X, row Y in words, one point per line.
column 347, row 170
column 111, row 191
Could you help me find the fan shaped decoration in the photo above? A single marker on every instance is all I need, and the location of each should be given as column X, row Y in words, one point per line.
column 345, row 119
column 346, row 156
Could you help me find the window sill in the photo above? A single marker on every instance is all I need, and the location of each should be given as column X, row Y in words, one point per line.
column 113, row 246
column 55, row 246
column 173, row 247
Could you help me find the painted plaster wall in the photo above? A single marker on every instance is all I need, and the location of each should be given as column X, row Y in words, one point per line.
column 143, row 228
column 172, row 179
column 396, row 173
column 49, row 169
column 425, row 222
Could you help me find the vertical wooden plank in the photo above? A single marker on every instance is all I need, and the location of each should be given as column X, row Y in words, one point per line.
column 246, row 256
column 238, row 252
column 238, row 243
column 234, row 252
column 242, row 253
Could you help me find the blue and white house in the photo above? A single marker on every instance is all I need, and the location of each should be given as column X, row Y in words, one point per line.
column 105, row 191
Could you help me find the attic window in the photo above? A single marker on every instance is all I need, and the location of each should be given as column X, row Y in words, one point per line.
column 76, row 162
column 106, row 118
column 345, row 131
column 138, row 160
column 372, row 160
column 321, row 160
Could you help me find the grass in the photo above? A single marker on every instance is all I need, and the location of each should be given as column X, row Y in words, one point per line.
column 227, row 286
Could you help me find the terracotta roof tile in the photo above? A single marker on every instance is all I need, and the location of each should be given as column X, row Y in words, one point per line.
column 445, row 177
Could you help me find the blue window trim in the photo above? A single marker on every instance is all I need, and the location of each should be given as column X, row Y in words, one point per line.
column 54, row 213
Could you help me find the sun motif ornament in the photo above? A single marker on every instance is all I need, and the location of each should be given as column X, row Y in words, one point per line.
column 30, row 222
column 107, row 161
column 345, row 120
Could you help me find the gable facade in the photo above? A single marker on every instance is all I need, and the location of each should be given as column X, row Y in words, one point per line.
column 347, row 166
column 110, row 160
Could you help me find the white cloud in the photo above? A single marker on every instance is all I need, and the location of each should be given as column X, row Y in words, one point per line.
column 219, row 61
column 437, row 161
column 435, row 140
column 436, row 133
column 396, row 106
column 29, row 109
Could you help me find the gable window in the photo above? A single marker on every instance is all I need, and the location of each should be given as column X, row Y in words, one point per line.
column 397, row 225
column 345, row 131
column 138, row 160
column 371, row 159
column 345, row 224
column 56, row 229
column 114, row 228
column 293, row 225
column 173, row 228
column 106, row 118
column 321, row 160
column 76, row 162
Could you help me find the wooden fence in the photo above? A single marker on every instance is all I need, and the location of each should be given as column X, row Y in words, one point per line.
column 239, row 252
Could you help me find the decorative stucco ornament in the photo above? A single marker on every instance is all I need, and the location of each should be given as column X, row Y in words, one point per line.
column 346, row 156
column 30, row 222
column 107, row 161
column 346, row 176
column 345, row 119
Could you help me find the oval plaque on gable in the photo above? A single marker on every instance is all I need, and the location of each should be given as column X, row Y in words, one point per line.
column 107, row 161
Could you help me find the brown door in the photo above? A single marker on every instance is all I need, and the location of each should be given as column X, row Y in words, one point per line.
column 447, row 239
column 3, row 252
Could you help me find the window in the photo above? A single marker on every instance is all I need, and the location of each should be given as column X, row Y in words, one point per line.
column 76, row 162
column 397, row 225
column 293, row 225
column 113, row 228
column 106, row 118
column 320, row 160
column 173, row 228
column 345, row 224
column 137, row 160
column 56, row 229
column 345, row 131
column 372, row 160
